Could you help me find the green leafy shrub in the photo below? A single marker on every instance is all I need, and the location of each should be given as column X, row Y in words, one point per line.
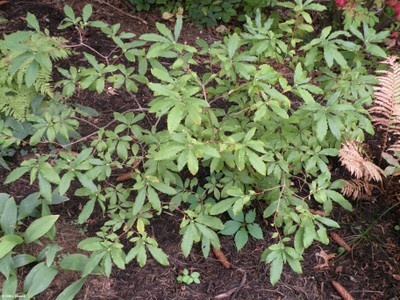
column 260, row 117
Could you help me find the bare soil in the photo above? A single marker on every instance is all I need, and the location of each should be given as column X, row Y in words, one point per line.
column 370, row 271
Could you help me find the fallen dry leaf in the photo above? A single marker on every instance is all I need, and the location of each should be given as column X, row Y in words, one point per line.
column 326, row 257
column 396, row 276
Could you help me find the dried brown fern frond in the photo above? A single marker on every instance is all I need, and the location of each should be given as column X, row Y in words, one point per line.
column 385, row 110
column 351, row 157
column 357, row 189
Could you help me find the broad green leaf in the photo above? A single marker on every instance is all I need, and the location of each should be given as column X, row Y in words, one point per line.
column 275, row 271
column 45, row 188
column 178, row 27
column 87, row 12
column 193, row 164
column 72, row 290
column 49, row 173
column 28, row 205
column 86, row 211
column 118, row 257
column 294, row 264
column 21, row 260
column 69, row 12
column 231, row 227
column 92, row 263
column 9, row 216
column 163, row 188
column 91, row 244
column 16, row 174
column 233, row 44
column 338, row 198
column 255, row 231
column 158, row 255
column 8, row 242
column 162, row 74
column 9, row 287
column 187, row 241
column 175, row 117
column 241, row 238
column 39, row 279
column 222, row 206
column 153, row 198
column 321, row 127
column 163, row 29
column 39, row 227
column 139, row 201
column 32, row 73
column 256, row 162
column 169, row 151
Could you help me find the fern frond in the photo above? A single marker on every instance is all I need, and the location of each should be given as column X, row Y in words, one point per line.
column 359, row 166
column 356, row 188
column 385, row 110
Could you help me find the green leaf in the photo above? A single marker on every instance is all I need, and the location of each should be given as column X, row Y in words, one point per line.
column 233, row 44
column 376, row 50
column 32, row 73
column 158, row 255
column 28, row 205
column 169, row 151
column 163, row 188
column 256, row 162
column 139, row 201
column 86, row 211
column 72, row 290
column 222, row 206
column 187, row 241
column 8, row 242
column 9, row 216
column 153, row 198
column 165, row 31
column 162, row 74
column 274, row 105
column 87, row 12
column 255, row 231
column 69, row 12
column 321, row 127
column 74, row 262
column 309, row 233
column 241, row 238
column 92, row 263
column 338, row 198
column 39, row 227
column 328, row 222
column 178, row 27
column 193, row 164
column 86, row 182
column 45, row 188
column 49, row 173
column 91, row 244
column 118, row 257
column 175, row 117
column 39, row 279
column 276, row 269
column 294, row 264
column 16, row 174
column 9, row 287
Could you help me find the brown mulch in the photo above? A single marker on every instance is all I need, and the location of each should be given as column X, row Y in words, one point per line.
column 370, row 271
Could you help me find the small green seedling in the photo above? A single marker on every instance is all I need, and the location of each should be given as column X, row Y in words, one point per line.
column 189, row 278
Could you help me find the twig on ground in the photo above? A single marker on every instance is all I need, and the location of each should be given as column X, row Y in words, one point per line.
column 122, row 12
column 235, row 290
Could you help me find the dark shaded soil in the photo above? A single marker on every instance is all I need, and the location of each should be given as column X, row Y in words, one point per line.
column 370, row 271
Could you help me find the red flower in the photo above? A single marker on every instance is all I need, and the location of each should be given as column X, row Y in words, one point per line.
column 339, row 3
column 397, row 9
column 392, row 3
column 395, row 35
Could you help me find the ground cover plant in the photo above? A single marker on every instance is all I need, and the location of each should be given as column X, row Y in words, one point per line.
column 239, row 139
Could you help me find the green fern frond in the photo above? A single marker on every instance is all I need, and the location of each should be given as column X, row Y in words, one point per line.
column 26, row 68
